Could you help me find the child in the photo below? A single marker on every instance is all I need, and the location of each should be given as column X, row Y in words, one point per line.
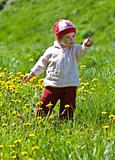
column 60, row 62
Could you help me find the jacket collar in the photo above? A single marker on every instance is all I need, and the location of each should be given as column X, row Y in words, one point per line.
column 57, row 45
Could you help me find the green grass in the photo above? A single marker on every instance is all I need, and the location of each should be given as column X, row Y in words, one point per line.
column 24, row 35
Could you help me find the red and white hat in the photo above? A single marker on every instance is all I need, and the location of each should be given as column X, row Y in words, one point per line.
column 63, row 27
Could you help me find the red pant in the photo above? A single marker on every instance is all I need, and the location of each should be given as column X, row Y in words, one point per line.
column 51, row 95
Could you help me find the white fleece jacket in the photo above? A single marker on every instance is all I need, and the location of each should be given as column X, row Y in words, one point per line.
column 60, row 64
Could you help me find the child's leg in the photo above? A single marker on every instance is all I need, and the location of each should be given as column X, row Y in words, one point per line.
column 47, row 101
column 68, row 104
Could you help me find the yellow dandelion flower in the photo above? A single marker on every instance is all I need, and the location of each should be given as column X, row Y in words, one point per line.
column 27, row 106
column 105, row 127
column 30, row 159
column 68, row 142
column 49, row 105
column 94, row 79
column 79, row 90
column 67, row 106
column 24, row 153
column 11, row 73
column 14, row 113
column 14, row 157
column 27, row 124
column 39, row 103
column 84, row 83
column 1, row 146
column 17, row 141
column 1, row 74
column 92, row 89
column 103, row 113
column 33, row 78
column 31, row 135
column 18, row 73
column 85, row 91
column 112, row 116
column 40, row 80
column 35, row 148
column 39, row 118
column 12, row 146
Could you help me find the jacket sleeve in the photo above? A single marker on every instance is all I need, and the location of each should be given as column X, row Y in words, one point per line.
column 81, row 51
column 42, row 63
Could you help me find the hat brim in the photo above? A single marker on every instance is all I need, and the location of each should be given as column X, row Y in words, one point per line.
column 60, row 34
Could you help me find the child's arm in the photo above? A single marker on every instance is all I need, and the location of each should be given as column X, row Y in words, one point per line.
column 82, row 49
column 39, row 67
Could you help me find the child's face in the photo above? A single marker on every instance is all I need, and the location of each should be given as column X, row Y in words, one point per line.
column 68, row 40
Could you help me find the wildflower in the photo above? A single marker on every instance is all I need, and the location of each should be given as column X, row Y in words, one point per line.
column 26, row 106
column 17, row 141
column 1, row 146
column 112, row 116
column 94, row 79
column 35, row 148
column 11, row 73
column 103, row 113
column 14, row 157
column 85, row 91
column 39, row 103
column 92, row 89
column 68, row 142
column 32, row 79
column 40, row 80
column 14, row 113
column 84, row 83
column 27, row 124
column 30, row 159
column 39, row 118
column 67, row 106
column 105, row 127
column 18, row 73
column 1, row 74
column 12, row 146
column 79, row 90
column 31, row 135
column 49, row 105
column 24, row 153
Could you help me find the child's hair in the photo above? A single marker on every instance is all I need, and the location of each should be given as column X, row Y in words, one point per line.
column 62, row 27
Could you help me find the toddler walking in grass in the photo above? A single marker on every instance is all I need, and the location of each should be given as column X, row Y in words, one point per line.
column 60, row 62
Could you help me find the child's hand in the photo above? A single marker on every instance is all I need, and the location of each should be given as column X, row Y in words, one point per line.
column 87, row 42
column 26, row 78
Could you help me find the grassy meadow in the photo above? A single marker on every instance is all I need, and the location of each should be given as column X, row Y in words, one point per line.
column 24, row 36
